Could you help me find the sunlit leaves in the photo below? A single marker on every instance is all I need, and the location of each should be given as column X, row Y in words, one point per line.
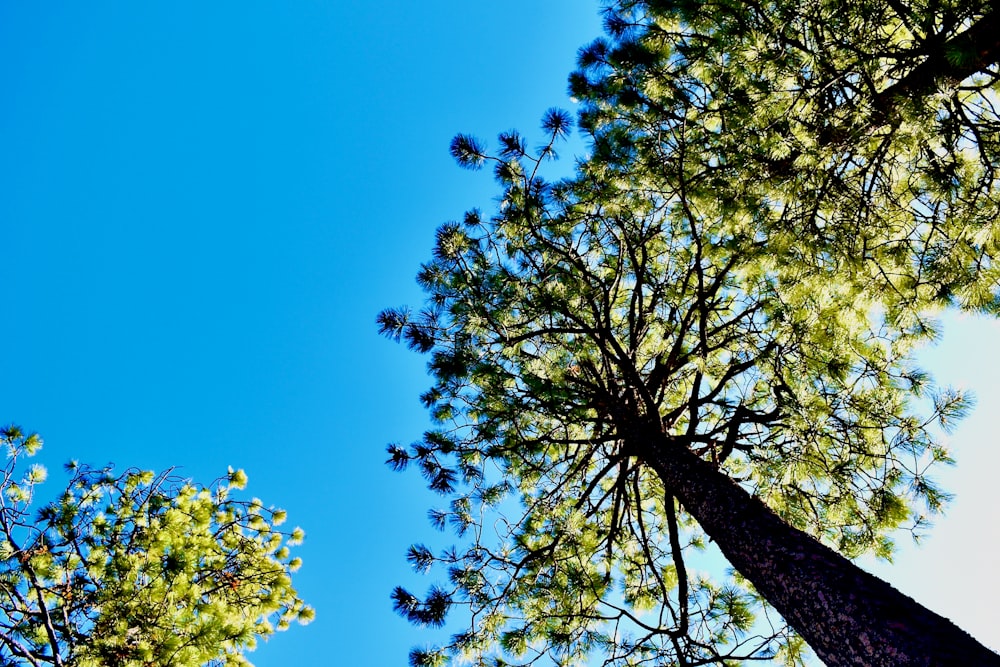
column 141, row 569
column 237, row 479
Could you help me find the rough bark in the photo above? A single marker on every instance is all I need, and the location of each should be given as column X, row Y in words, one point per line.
column 848, row 616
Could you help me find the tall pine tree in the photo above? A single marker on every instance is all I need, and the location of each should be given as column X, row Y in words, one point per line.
column 705, row 335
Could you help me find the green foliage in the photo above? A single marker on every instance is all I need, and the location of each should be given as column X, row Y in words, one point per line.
column 777, row 200
column 850, row 130
column 138, row 569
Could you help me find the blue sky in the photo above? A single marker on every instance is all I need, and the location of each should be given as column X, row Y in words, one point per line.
column 204, row 206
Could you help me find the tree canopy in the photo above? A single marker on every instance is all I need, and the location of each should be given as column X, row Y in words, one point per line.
column 864, row 133
column 137, row 568
column 705, row 334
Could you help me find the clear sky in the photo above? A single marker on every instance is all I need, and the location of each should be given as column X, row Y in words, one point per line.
column 205, row 204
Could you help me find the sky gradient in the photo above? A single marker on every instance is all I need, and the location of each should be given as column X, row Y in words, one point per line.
column 205, row 204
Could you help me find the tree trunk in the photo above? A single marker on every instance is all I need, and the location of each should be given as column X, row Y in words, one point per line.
column 847, row 616
column 950, row 63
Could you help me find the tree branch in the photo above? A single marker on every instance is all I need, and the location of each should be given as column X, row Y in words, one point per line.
column 978, row 48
